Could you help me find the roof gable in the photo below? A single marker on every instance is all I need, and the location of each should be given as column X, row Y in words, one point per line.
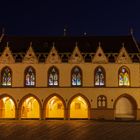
column 7, row 57
column 123, row 57
column 30, row 56
column 99, row 56
column 76, row 56
column 53, row 56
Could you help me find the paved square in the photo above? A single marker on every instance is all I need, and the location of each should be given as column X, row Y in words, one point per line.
column 68, row 130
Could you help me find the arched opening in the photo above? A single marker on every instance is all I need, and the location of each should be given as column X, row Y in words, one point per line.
column 54, row 108
column 7, row 108
column 79, row 108
column 125, row 108
column 30, row 108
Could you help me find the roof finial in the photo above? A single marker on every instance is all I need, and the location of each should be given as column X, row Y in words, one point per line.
column 76, row 44
column 131, row 31
column 31, row 44
column 7, row 44
column 53, row 44
column 123, row 44
column 65, row 31
column 99, row 43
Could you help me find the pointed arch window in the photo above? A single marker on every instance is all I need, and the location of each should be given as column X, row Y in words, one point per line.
column 124, row 76
column 101, row 101
column 6, row 77
column 30, row 76
column 53, row 76
column 76, row 76
column 99, row 75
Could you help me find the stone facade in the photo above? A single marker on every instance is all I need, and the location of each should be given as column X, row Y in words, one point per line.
column 112, row 94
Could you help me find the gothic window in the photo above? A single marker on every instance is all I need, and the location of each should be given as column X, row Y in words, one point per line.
column 76, row 76
column 101, row 101
column 53, row 77
column 124, row 76
column 6, row 77
column 99, row 77
column 30, row 77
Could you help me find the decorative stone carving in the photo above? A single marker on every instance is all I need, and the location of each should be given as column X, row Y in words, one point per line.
column 30, row 57
column 76, row 56
column 7, row 57
column 99, row 56
column 123, row 57
column 53, row 56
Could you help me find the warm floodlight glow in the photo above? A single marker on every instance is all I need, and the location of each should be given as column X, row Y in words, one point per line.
column 30, row 108
column 55, row 108
column 7, row 108
column 78, row 108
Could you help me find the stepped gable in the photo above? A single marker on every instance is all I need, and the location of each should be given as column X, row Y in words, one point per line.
column 110, row 44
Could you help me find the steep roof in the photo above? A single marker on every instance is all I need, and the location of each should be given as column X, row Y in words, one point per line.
column 110, row 44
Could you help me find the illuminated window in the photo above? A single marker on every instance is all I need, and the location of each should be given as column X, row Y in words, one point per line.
column 76, row 76
column 99, row 76
column 124, row 76
column 101, row 101
column 30, row 77
column 53, row 77
column 6, row 77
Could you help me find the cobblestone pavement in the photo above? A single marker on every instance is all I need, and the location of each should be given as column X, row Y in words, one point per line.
column 68, row 130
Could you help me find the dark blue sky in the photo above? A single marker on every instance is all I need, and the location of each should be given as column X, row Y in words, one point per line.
column 49, row 17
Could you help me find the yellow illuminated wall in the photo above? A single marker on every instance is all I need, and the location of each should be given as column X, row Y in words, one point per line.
column 30, row 108
column 55, row 108
column 7, row 108
column 124, row 108
column 78, row 108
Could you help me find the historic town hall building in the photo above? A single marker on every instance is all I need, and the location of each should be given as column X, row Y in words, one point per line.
column 66, row 77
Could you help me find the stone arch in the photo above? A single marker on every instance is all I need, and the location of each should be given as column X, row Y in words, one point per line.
column 46, row 103
column 87, row 103
column 9, row 113
column 128, row 107
column 39, row 106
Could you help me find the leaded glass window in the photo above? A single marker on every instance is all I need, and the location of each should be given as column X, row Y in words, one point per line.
column 76, row 77
column 6, row 77
column 30, row 77
column 101, row 101
column 99, row 76
column 53, row 75
column 124, row 77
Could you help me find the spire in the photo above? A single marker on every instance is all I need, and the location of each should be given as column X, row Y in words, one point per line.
column 65, row 31
column 123, row 44
column 53, row 44
column 76, row 44
column 99, row 43
column 31, row 44
column 2, row 35
column 135, row 42
column 131, row 31
column 7, row 44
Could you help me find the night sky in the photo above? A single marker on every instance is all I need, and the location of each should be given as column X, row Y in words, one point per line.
column 50, row 17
